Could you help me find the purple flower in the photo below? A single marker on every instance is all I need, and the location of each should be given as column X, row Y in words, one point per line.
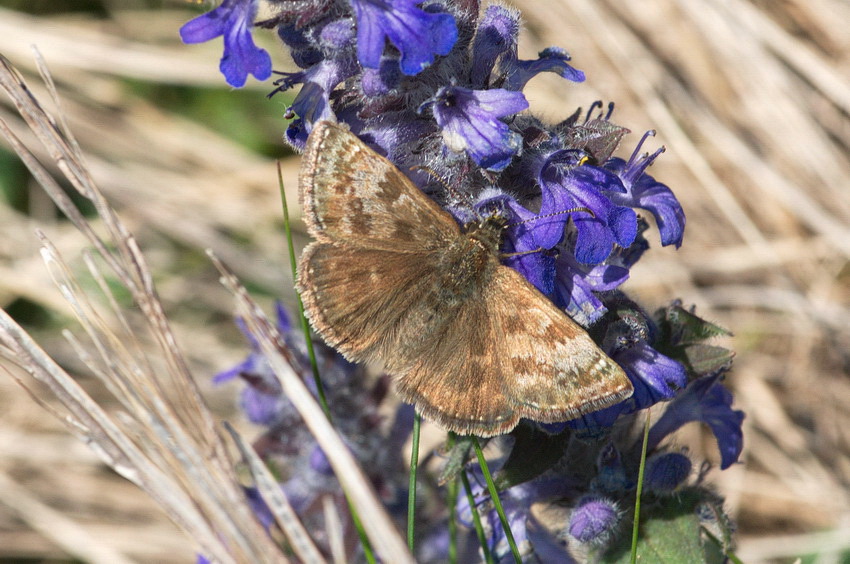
column 417, row 34
column 303, row 52
column 575, row 286
column 612, row 477
column 319, row 462
column 470, row 122
column 258, row 505
column 568, row 183
column 551, row 59
column 708, row 401
column 496, row 35
column 655, row 377
column 527, row 233
column 337, row 35
column 312, row 104
column 642, row 191
column 594, row 520
column 666, row 471
column 233, row 19
column 382, row 80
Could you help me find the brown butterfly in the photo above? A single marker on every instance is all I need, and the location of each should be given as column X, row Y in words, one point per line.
column 392, row 278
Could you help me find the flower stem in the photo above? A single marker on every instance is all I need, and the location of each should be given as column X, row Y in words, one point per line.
column 639, row 490
column 411, row 496
column 494, row 495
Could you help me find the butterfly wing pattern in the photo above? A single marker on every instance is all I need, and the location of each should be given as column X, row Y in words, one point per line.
column 391, row 278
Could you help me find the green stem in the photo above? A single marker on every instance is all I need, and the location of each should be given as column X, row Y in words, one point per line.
column 453, row 491
column 305, row 326
column 411, row 496
column 639, row 491
column 476, row 518
column 494, row 495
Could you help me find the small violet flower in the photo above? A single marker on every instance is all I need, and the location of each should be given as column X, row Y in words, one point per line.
column 594, row 520
column 642, row 191
column 418, row 35
column 705, row 400
column 233, row 19
column 666, row 471
column 551, row 59
column 469, row 122
column 568, row 182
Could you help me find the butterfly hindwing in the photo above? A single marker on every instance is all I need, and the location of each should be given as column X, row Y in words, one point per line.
column 553, row 371
column 341, row 287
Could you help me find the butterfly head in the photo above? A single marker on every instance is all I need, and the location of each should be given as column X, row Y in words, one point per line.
column 488, row 229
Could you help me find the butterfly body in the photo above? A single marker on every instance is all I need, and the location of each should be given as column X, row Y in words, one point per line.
column 392, row 278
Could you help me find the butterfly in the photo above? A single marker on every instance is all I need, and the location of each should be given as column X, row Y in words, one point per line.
column 392, row 278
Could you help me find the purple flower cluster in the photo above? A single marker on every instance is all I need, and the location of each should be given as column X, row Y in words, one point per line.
column 591, row 502
column 436, row 87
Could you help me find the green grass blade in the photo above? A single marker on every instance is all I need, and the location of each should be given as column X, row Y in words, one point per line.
column 411, row 496
column 494, row 495
column 639, row 491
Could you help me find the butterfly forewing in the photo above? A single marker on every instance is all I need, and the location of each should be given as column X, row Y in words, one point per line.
column 351, row 194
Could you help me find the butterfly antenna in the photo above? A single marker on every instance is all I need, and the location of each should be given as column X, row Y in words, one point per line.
column 553, row 214
column 541, row 249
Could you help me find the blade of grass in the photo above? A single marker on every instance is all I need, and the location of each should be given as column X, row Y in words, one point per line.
column 451, row 503
column 476, row 518
column 639, row 490
column 411, row 496
column 381, row 529
column 305, row 326
column 494, row 495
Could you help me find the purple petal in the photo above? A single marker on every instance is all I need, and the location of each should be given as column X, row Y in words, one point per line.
column 553, row 59
column 655, row 377
column 233, row 19
column 523, row 235
column 496, row 35
column 469, row 121
column 417, row 34
column 708, row 401
column 666, row 471
column 568, row 185
column 643, row 191
column 594, row 519
column 575, row 287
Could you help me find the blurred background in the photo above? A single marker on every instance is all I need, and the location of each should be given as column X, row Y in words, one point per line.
column 750, row 97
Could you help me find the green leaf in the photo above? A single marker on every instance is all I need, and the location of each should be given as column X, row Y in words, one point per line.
column 670, row 533
column 683, row 326
column 534, row 452
column 699, row 360
column 707, row 359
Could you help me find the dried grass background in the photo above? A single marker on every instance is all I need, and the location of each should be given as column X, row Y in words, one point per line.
column 751, row 99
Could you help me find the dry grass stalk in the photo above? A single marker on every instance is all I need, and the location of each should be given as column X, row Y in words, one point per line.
column 165, row 440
